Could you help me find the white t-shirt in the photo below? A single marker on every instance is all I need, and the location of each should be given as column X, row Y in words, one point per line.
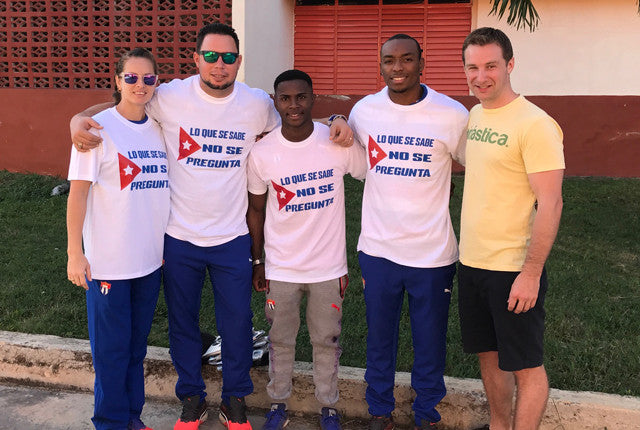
column 208, row 140
column 405, row 207
column 128, row 202
column 305, row 222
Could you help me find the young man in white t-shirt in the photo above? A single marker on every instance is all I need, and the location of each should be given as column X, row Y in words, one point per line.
column 407, row 242
column 209, row 122
column 296, row 174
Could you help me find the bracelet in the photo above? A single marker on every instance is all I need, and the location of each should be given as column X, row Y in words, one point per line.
column 258, row 261
column 334, row 117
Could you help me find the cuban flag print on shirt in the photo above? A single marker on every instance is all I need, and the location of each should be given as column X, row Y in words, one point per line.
column 187, row 145
column 284, row 196
column 128, row 171
column 376, row 154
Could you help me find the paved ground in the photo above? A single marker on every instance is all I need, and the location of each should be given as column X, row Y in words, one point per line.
column 29, row 360
column 35, row 408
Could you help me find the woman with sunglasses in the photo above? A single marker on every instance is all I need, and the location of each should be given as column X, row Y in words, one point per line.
column 118, row 207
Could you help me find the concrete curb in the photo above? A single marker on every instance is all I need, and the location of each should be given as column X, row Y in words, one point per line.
column 61, row 362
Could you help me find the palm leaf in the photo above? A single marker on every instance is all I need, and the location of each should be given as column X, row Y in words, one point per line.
column 522, row 13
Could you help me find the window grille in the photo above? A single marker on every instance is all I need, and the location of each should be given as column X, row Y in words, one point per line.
column 76, row 43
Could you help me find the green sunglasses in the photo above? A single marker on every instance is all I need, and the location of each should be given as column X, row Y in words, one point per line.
column 212, row 56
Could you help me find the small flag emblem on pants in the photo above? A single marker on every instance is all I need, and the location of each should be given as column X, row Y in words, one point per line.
column 105, row 287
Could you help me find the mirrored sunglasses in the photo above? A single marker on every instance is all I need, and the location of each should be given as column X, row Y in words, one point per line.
column 212, row 56
column 132, row 78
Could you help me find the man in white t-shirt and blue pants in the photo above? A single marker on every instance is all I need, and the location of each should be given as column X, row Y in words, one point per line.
column 210, row 123
column 407, row 242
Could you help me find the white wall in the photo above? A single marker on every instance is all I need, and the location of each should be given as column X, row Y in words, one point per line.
column 265, row 29
column 581, row 47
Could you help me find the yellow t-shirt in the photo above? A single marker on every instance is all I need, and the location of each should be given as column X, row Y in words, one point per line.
column 504, row 145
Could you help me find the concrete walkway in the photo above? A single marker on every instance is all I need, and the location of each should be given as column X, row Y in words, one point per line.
column 60, row 363
column 39, row 408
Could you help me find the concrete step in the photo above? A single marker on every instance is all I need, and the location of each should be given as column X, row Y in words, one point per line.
column 57, row 362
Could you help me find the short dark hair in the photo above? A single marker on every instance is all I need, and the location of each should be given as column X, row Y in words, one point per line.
column 487, row 35
column 216, row 28
column 292, row 75
column 404, row 37
column 134, row 53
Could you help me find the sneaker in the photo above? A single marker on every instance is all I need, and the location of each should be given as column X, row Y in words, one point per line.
column 381, row 422
column 194, row 413
column 330, row 419
column 234, row 415
column 426, row 425
column 277, row 417
column 137, row 424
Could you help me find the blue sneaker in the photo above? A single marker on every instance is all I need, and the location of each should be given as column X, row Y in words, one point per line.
column 277, row 417
column 330, row 419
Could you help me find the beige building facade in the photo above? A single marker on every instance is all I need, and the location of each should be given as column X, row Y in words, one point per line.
column 581, row 47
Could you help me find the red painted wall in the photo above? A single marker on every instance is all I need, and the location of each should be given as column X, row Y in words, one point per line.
column 34, row 127
column 602, row 133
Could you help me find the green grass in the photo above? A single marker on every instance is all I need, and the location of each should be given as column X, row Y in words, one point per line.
column 593, row 304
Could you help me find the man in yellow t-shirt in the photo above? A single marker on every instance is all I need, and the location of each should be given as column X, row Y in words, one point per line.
column 510, row 215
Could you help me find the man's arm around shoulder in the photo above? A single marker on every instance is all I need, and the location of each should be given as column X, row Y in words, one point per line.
column 80, row 125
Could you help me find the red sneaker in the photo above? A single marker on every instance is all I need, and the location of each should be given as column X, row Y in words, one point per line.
column 194, row 413
column 234, row 414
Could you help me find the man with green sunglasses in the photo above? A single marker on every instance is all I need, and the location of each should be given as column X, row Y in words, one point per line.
column 210, row 123
column 212, row 56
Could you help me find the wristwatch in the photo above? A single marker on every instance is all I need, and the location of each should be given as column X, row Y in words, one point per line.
column 334, row 117
column 258, row 261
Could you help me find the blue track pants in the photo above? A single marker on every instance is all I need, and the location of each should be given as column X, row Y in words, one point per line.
column 230, row 270
column 429, row 295
column 119, row 314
